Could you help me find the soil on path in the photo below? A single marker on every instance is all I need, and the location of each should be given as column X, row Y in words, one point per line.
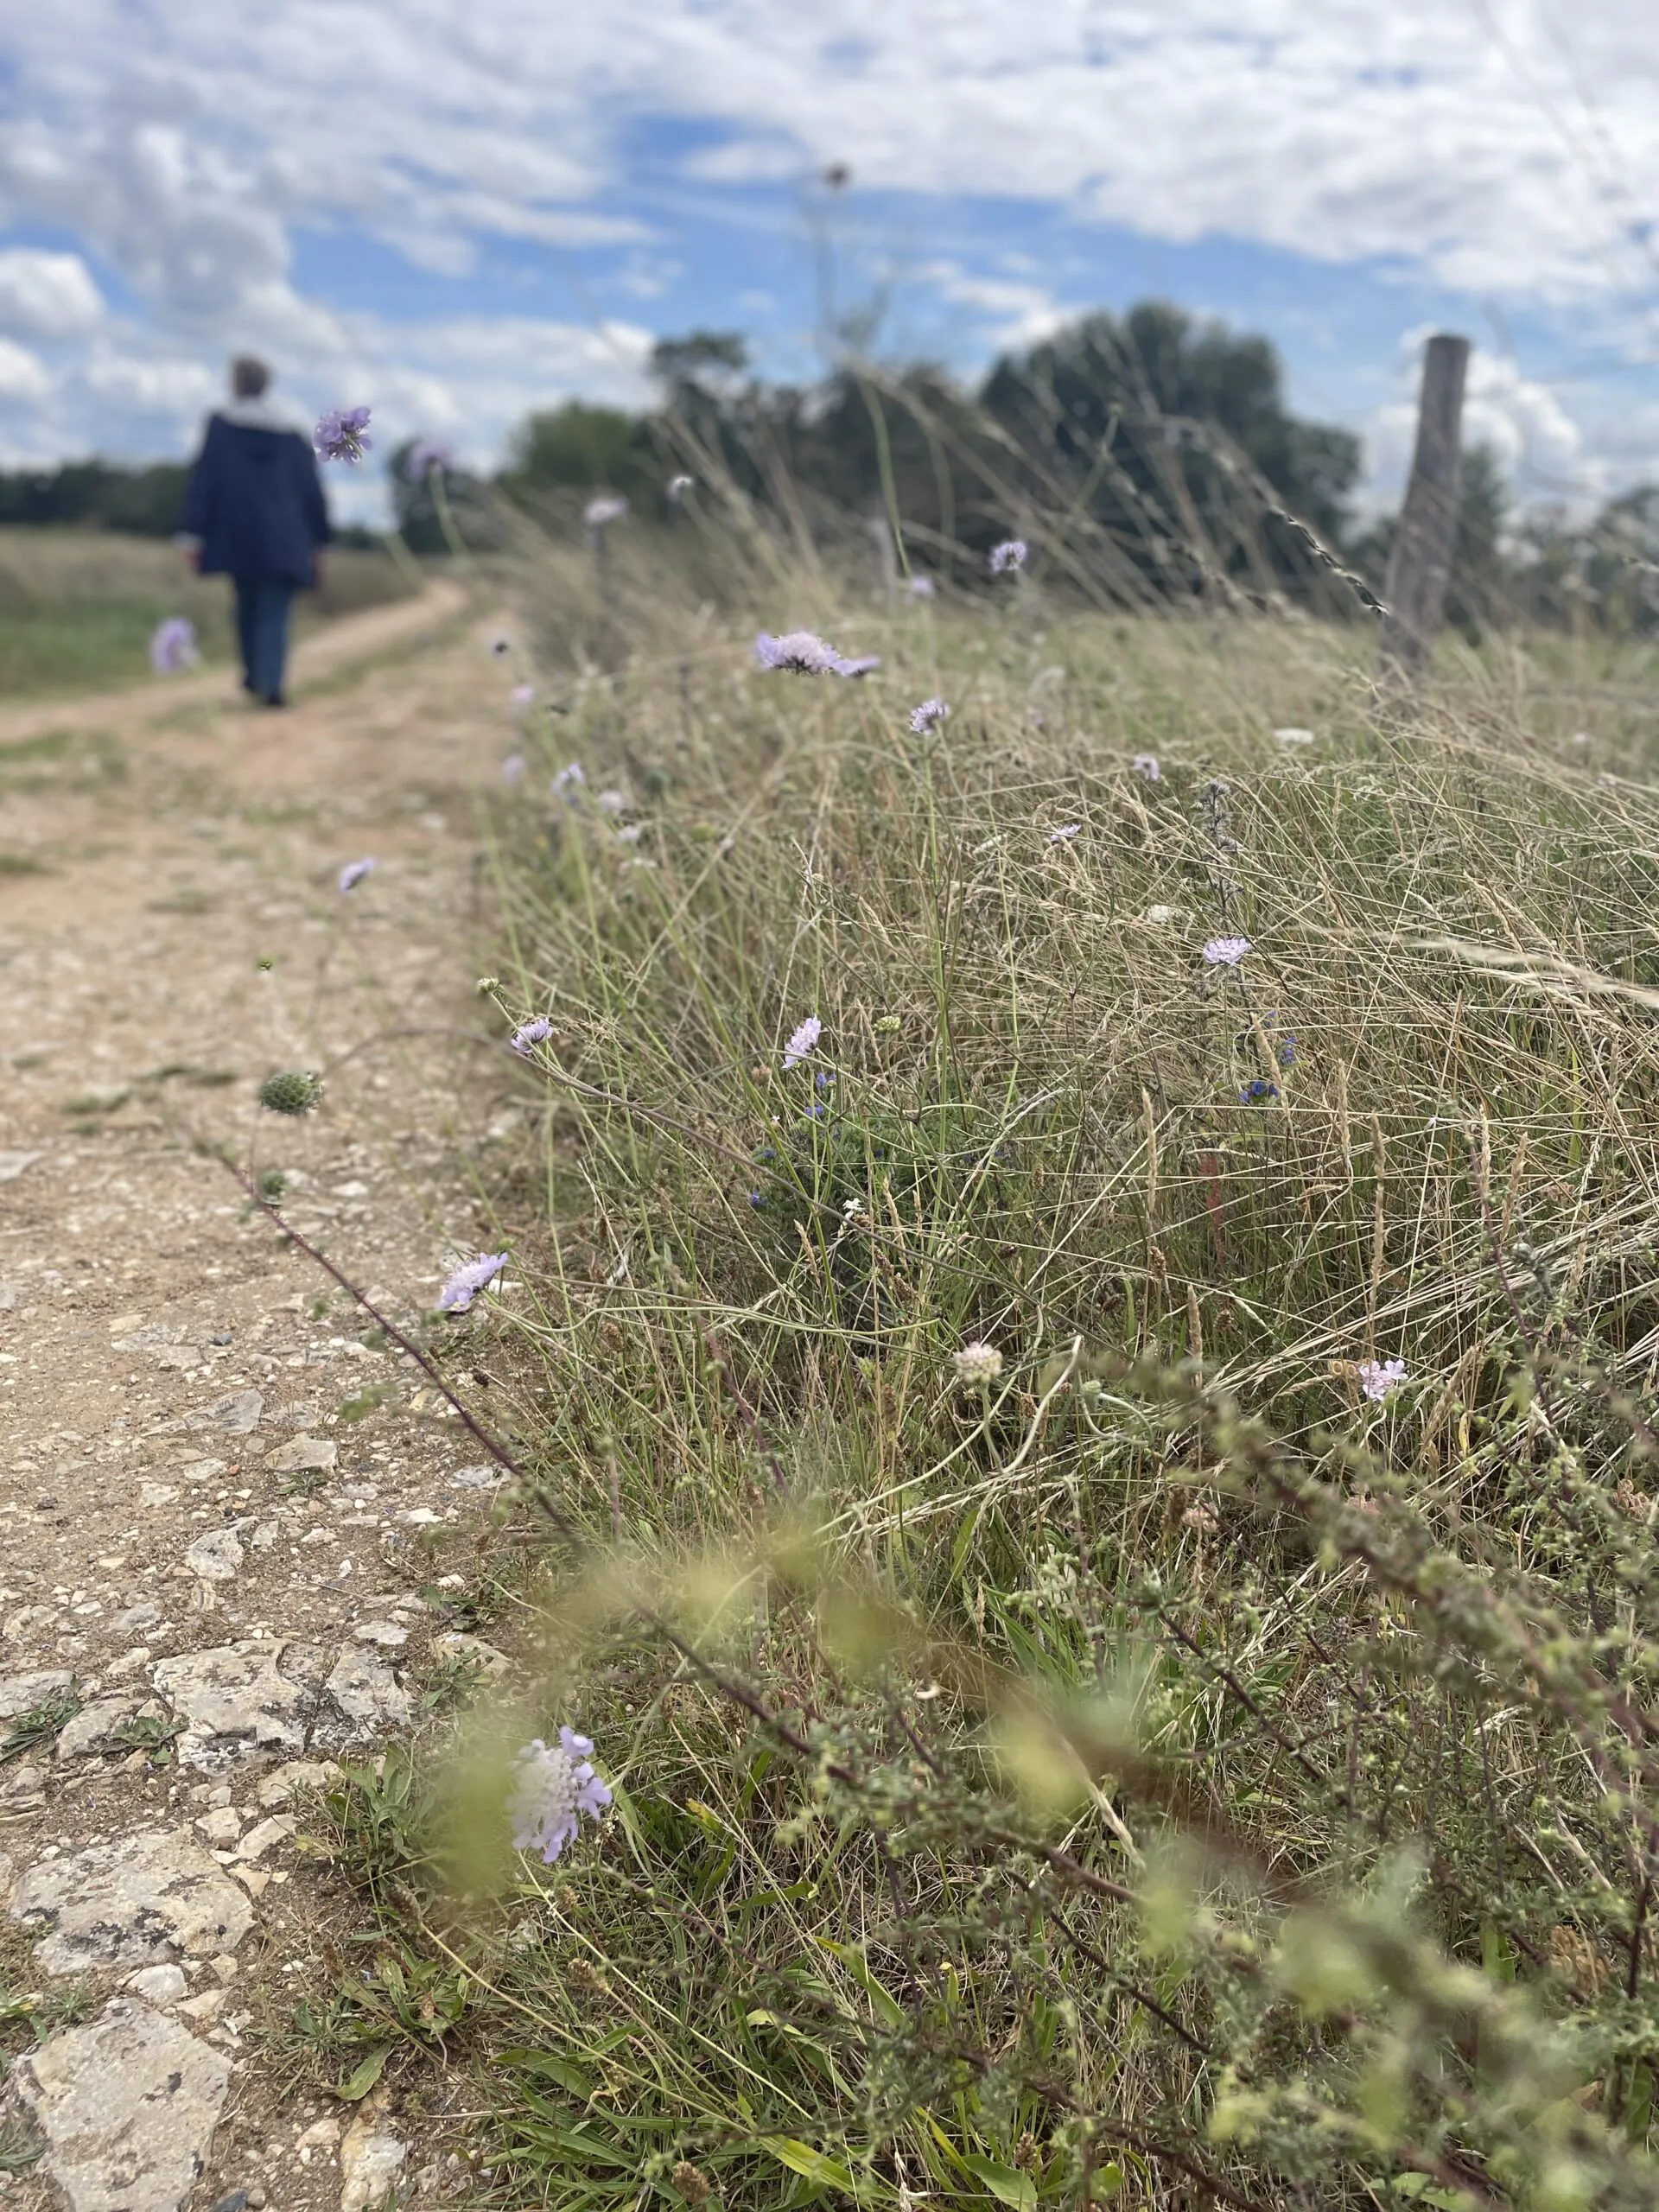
column 220, row 1501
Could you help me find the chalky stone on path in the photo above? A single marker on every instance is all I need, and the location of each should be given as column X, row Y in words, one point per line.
column 126, row 2108
column 240, row 1699
column 142, row 1901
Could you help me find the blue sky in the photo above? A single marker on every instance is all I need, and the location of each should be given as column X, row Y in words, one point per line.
column 454, row 212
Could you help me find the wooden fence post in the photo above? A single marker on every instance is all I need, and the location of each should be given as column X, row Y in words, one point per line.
column 1421, row 560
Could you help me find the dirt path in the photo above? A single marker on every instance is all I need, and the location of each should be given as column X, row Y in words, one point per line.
column 225, row 1521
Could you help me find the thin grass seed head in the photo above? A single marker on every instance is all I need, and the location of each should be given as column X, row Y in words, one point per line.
column 1226, row 951
column 1010, row 554
column 554, row 1786
column 353, row 873
column 294, row 1091
column 926, row 718
column 468, row 1280
column 339, row 436
column 172, row 646
column 802, row 1038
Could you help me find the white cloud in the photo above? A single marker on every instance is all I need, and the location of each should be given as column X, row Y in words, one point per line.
column 24, row 375
column 1010, row 312
column 47, row 294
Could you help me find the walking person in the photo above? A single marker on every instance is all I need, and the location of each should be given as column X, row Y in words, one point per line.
column 254, row 511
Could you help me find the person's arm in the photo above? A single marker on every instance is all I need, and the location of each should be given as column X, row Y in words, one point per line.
column 193, row 520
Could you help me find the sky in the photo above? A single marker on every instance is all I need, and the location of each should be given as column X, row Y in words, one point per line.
column 453, row 210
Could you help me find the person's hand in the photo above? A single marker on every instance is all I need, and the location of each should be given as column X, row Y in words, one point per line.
column 193, row 559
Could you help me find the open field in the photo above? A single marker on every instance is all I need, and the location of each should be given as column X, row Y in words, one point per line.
column 77, row 608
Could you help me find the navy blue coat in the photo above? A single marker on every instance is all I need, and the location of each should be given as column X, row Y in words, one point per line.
column 254, row 501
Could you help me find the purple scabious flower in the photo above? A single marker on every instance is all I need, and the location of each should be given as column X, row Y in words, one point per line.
column 1378, row 1377
column 568, row 781
column 425, row 456
column 353, row 873
column 1010, row 554
column 468, row 1280
column 523, row 694
column 172, row 646
column 339, row 436
column 531, row 1032
column 1065, row 833
column 803, row 1038
column 920, row 587
column 801, row 651
column 553, row 1785
column 1226, row 951
column 612, row 802
column 926, row 718
column 1145, row 765
column 603, row 508
column 513, row 768
column 860, row 667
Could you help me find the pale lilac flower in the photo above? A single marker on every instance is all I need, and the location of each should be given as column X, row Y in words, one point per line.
column 605, row 507
column 801, row 651
column 427, row 455
column 1010, row 554
column 803, row 1038
column 978, row 1366
column 513, row 768
column 1145, row 766
column 172, row 646
column 523, row 694
column 926, row 718
column 678, row 486
column 860, row 667
column 339, row 436
column 920, row 587
column 353, row 873
column 1378, row 1377
column 612, row 802
column 1226, row 951
column 1064, row 834
column 568, row 781
column 631, row 834
column 531, row 1032
column 554, row 1784
column 468, row 1280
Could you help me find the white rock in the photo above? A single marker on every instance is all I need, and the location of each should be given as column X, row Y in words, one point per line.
column 369, row 2164
column 129, row 1662
column 477, row 1478
column 135, row 1902
column 126, row 2106
column 220, row 1828
column 322, row 2135
column 145, row 1614
column 368, row 1696
column 237, row 1415
column 12, row 1164
column 240, row 1699
column 387, row 1634
column 473, row 1649
column 282, row 1787
column 158, row 1984
column 304, row 1454
column 216, row 1557
column 21, row 1693
column 154, row 1494
column 23, row 1788
column 259, row 1840
column 205, row 2008
column 93, row 1726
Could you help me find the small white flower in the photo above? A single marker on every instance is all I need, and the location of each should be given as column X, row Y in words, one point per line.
column 1293, row 736
column 1159, row 917
column 612, row 802
column 631, row 834
column 978, row 1366
column 1064, row 834
column 1145, row 766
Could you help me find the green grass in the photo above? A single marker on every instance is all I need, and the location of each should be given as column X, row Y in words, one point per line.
column 1155, row 1773
column 77, row 608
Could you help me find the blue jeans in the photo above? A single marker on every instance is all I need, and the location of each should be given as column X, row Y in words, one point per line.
column 262, row 605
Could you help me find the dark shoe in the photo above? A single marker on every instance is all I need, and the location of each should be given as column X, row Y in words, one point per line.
column 275, row 699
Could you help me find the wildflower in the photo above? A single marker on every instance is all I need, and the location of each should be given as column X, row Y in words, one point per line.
column 1259, row 1092
column 1159, row 917
column 823, row 1080
column 353, row 873
column 1293, row 736
column 555, row 1785
column 678, row 486
column 692, row 2183
column 920, row 587
column 802, row 652
column 612, row 802
column 757, row 1198
column 1010, row 554
column 978, row 1366
column 604, row 508
column 631, row 834
column 1226, row 951
column 1581, row 737
column 1378, row 1377
column 1200, row 1517
column 339, row 435
column 886, row 1025
column 172, row 646
column 567, row 779
column 860, row 667
column 926, row 718
column 1145, row 766
column 295, row 1091
column 427, row 457
column 531, row 1032
column 523, row 694
column 803, row 1038
column 1064, row 834
column 851, row 1208
column 513, row 768
column 1286, row 1052
column 468, row 1280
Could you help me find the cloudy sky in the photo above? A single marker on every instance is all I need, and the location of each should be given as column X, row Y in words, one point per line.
column 455, row 209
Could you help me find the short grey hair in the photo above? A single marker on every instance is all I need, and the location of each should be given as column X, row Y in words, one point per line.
column 249, row 375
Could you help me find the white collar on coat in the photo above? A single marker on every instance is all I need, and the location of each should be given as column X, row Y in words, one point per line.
column 259, row 414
